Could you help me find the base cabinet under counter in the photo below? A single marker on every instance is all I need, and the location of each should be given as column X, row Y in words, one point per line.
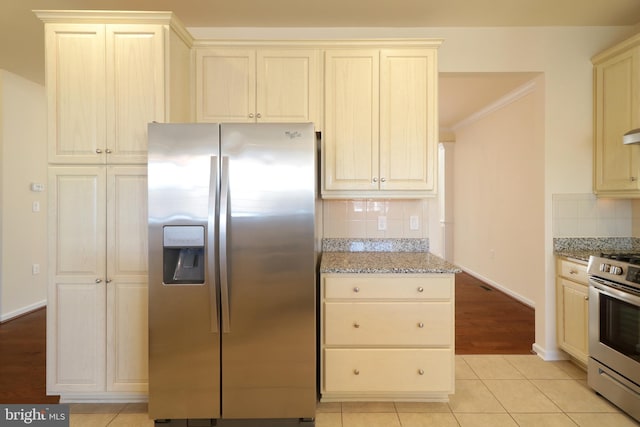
column 572, row 308
column 387, row 337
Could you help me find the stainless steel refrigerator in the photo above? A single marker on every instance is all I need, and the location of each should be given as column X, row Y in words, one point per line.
column 232, row 273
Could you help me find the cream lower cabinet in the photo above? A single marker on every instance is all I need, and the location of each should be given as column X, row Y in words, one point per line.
column 381, row 128
column 265, row 85
column 387, row 337
column 572, row 308
column 97, row 307
column 617, row 111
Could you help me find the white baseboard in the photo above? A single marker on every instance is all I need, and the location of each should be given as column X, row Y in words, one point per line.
column 549, row 355
column 103, row 397
column 23, row 310
column 501, row 288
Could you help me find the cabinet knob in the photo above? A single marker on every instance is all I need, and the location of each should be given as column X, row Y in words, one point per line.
column 420, row 371
column 258, row 115
column 420, row 325
column 251, row 115
column 98, row 151
column 374, row 179
column 572, row 271
column 634, row 178
column 98, row 280
column 356, row 289
column 586, row 298
column 383, row 179
column 108, row 151
column 420, row 289
column 108, row 281
column 356, row 372
column 356, row 325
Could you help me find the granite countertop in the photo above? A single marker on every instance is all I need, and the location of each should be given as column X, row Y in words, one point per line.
column 582, row 248
column 381, row 256
column 385, row 262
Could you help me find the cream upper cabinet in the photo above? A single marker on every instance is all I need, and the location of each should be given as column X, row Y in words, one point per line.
column 97, row 305
column 572, row 308
column 107, row 81
column 257, row 85
column 381, row 131
column 617, row 111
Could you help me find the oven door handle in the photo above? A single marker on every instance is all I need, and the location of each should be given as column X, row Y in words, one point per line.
column 605, row 289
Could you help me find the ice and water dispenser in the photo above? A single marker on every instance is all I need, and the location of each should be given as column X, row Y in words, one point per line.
column 183, row 254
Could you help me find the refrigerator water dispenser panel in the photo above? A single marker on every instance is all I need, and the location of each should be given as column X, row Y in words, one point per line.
column 183, row 255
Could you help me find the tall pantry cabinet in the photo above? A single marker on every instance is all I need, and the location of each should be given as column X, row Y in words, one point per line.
column 108, row 74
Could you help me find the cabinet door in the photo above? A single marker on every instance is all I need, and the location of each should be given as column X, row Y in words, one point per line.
column 287, row 86
column 135, row 89
column 573, row 319
column 351, row 119
column 127, row 328
column 408, row 127
column 617, row 111
column 76, row 294
column 75, row 76
column 225, row 85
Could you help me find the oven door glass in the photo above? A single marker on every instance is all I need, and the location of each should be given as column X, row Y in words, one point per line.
column 620, row 326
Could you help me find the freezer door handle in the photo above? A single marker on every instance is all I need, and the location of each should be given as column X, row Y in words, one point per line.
column 224, row 223
column 211, row 226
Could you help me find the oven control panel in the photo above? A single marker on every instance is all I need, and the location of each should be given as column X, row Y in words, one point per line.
column 633, row 275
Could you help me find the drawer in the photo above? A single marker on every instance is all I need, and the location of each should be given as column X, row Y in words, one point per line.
column 388, row 370
column 380, row 323
column 573, row 271
column 364, row 286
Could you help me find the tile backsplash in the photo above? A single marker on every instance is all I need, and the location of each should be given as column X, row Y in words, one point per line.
column 585, row 215
column 361, row 218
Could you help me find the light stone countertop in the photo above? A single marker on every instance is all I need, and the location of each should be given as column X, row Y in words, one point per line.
column 385, row 262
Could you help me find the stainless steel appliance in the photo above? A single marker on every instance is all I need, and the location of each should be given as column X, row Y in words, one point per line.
column 614, row 329
column 232, row 268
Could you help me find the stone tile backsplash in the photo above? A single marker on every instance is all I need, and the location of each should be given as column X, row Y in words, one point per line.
column 359, row 218
column 584, row 215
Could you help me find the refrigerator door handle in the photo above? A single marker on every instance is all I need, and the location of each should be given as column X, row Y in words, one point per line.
column 224, row 224
column 211, row 226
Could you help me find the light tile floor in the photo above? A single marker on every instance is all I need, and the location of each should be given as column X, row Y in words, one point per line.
column 491, row 391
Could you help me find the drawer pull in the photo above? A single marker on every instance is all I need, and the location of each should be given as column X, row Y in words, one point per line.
column 356, row 372
column 356, row 325
column 420, row 325
column 420, row 371
column 356, row 289
column 572, row 271
column 420, row 289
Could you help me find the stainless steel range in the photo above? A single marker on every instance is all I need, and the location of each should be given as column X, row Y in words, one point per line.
column 614, row 329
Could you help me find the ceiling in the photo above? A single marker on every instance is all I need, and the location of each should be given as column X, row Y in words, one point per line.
column 22, row 36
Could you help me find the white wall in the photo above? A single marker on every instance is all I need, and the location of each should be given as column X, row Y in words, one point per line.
column 23, row 157
column 498, row 193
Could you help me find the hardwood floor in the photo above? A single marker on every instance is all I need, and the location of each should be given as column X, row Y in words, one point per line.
column 22, row 360
column 487, row 322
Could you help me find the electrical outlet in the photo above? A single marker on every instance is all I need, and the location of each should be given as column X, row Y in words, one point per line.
column 414, row 223
column 382, row 222
column 35, row 269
